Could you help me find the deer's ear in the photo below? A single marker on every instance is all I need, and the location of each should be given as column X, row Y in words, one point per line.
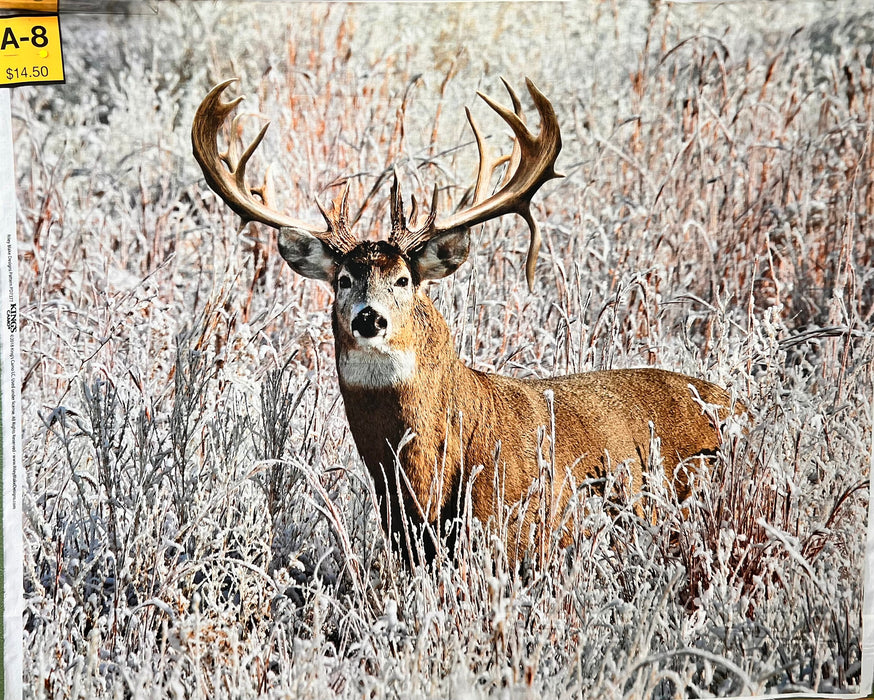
column 442, row 255
column 307, row 255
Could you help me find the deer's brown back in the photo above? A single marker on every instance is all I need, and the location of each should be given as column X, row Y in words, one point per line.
column 601, row 420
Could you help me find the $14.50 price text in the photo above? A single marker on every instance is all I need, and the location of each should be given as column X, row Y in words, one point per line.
column 32, row 73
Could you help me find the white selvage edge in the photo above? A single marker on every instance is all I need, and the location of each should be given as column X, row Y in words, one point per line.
column 10, row 417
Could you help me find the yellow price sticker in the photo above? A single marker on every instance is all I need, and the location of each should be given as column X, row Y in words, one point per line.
column 30, row 50
column 30, row 5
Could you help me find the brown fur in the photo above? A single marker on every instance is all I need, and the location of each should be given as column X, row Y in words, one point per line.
column 460, row 416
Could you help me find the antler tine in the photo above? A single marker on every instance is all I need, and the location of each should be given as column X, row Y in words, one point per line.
column 486, row 168
column 231, row 155
column 398, row 218
column 265, row 189
column 337, row 219
column 432, row 212
column 532, row 163
column 226, row 174
column 404, row 238
column 514, row 98
column 429, row 219
column 488, row 165
column 516, row 154
column 240, row 166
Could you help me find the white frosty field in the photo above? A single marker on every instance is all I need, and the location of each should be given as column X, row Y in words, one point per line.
column 197, row 521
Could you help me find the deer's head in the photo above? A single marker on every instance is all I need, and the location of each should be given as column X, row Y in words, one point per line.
column 377, row 283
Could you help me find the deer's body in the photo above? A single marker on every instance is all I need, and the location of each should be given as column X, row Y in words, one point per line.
column 465, row 421
column 400, row 377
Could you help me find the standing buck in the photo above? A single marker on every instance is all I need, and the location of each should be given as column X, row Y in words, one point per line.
column 421, row 419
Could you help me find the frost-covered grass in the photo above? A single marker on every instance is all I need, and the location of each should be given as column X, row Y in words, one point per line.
column 198, row 523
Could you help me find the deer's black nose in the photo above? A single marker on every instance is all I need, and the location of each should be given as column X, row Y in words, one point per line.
column 369, row 323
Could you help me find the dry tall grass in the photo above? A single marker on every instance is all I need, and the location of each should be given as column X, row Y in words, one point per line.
column 198, row 523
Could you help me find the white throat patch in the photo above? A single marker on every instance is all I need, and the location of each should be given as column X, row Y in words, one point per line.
column 375, row 367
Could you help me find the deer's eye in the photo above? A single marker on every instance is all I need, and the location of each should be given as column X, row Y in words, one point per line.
column 402, row 282
column 344, row 282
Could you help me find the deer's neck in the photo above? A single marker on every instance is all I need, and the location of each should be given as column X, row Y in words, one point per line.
column 416, row 387
column 413, row 374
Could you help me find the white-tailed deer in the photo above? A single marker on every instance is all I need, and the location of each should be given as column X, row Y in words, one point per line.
column 400, row 376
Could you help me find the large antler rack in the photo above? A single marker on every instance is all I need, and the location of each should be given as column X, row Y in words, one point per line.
column 531, row 163
column 225, row 173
